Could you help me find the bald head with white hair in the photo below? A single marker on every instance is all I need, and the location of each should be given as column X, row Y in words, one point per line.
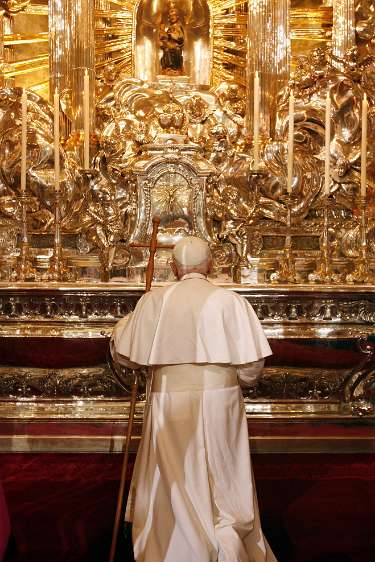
column 191, row 255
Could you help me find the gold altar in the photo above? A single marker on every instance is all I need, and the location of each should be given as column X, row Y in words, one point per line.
column 171, row 119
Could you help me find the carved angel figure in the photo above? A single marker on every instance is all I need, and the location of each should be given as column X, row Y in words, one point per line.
column 232, row 210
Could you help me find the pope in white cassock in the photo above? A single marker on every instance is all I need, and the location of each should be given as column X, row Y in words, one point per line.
column 192, row 496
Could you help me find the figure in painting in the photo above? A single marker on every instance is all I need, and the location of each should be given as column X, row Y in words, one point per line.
column 172, row 39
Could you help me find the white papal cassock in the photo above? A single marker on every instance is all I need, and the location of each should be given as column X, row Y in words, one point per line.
column 192, row 497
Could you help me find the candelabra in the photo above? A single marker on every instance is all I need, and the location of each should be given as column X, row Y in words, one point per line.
column 24, row 269
column 323, row 272
column 362, row 272
column 58, row 270
column 286, row 272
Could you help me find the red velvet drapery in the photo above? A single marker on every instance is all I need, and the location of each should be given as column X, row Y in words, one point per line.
column 4, row 524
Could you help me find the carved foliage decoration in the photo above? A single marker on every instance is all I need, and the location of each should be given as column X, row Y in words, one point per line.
column 12, row 7
column 40, row 161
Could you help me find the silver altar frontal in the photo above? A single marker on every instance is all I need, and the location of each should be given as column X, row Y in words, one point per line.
column 112, row 113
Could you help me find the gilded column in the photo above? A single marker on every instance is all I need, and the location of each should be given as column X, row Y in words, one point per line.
column 2, row 62
column 343, row 32
column 269, row 54
column 72, row 50
column 6, row 53
column 8, row 10
column 60, row 45
column 83, row 21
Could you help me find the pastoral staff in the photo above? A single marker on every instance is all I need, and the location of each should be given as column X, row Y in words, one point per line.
column 192, row 496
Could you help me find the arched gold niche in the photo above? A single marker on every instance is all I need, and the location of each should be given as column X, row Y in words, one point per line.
column 196, row 21
column 224, row 35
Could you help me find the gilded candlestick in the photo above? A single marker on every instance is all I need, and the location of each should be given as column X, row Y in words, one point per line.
column 286, row 272
column 24, row 269
column 58, row 270
column 323, row 272
column 362, row 272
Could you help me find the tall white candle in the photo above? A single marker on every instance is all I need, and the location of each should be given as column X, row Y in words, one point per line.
column 327, row 160
column 86, row 120
column 23, row 139
column 290, row 142
column 256, row 119
column 56, row 131
column 364, row 146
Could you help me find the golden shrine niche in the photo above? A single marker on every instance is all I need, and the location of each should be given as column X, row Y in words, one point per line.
column 151, row 29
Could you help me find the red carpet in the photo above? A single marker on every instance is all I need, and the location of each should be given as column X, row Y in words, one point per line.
column 4, row 524
column 315, row 508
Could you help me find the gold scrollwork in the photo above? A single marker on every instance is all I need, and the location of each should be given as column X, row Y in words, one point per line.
column 12, row 7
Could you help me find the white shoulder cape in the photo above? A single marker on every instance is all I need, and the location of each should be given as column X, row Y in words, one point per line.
column 192, row 321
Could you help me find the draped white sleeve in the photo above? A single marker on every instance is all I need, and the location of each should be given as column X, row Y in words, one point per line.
column 116, row 334
column 249, row 374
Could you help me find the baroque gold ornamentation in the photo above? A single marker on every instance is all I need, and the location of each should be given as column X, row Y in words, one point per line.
column 173, row 137
column 89, row 382
column 40, row 161
column 213, row 123
column 12, row 7
column 298, row 311
column 302, row 316
column 138, row 122
column 358, row 389
column 133, row 117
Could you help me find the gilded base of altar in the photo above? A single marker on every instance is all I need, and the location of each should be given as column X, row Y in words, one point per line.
column 55, row 363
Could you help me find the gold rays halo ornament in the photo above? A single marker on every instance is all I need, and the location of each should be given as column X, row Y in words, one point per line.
column 228, row 31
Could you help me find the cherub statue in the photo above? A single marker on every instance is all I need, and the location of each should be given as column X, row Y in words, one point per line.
column 309, row 72
column 352, row 64
column 233, row 211
column 197, row 109
column 13, row 7
column 107, row 80
column 232, row 99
